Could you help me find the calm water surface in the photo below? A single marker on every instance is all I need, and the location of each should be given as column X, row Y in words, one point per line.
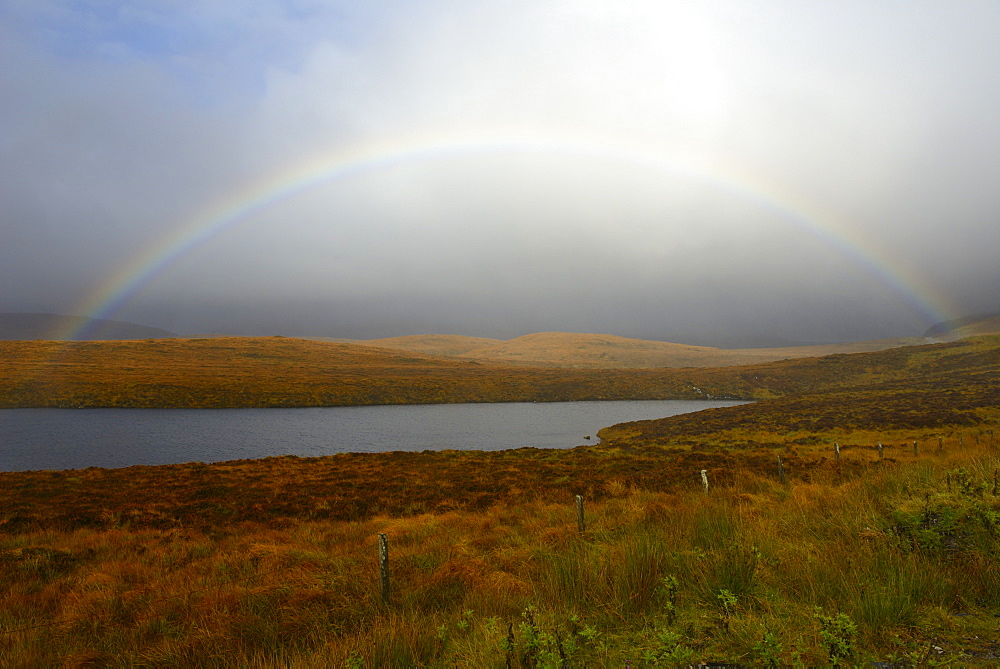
column 74, row 439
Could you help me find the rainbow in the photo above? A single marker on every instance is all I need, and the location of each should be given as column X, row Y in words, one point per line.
column 112, row 295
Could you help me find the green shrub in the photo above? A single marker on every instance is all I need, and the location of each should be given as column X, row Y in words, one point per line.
column 838, row 634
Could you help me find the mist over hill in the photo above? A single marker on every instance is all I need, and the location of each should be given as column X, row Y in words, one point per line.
column 19, row 326
column 966, row 326
column 558, row 349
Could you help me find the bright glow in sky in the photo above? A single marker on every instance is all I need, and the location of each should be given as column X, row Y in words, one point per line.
column 693, row 171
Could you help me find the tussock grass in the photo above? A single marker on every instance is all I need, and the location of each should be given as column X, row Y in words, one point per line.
column 751, row 564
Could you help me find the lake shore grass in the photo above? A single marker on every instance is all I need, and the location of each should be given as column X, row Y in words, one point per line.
column 879, row 556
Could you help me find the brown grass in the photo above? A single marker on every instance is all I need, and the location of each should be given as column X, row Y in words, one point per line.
column 261, row 372
column 287, row 584
column 434, row 344
column 275, row 371
column 572, row 350
column 272, row 563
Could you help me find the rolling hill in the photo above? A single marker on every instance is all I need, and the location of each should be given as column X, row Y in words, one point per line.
column 283, row 372
column 19, row 326
column 603, row 351
column 968, row 326
column 457, row 345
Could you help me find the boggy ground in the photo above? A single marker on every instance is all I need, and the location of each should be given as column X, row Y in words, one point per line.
column 888, row 558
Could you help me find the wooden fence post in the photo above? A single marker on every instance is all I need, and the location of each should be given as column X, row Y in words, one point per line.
column 916, row 449
column 580, row 524
column 880, row 452
column 704, row 480
column 383, row 565
column 781, row 471
column 940, row 444
column 836, row 451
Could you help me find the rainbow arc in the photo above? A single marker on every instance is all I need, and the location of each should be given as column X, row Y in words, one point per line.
column 129, row 281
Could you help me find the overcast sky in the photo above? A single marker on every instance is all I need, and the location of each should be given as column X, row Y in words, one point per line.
column 684, row 171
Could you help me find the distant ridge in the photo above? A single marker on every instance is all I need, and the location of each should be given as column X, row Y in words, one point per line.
column 436, row 344
column 604, row 351
column 967, row 326
column 21, row 326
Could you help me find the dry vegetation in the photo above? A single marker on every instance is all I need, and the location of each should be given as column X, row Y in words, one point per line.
column 275, row 371
column 273, row 562
column 573, row 350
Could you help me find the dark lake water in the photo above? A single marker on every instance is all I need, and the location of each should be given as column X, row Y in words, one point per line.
column 74, row 439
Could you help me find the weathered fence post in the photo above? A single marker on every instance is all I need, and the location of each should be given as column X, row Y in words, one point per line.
column 781, row 471
column 916, row 449
column 704, row 480
column 960, row 442
column 836, row 451
column 880, row 451
column 996, row 482
column 383, row 565
column 580, row 524
column 940, row 444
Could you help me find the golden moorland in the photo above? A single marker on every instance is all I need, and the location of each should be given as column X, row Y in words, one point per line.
column 851, row 515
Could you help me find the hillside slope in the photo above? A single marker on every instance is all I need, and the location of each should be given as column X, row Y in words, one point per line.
column 603, row 351
column 988, row 325
column 275, row 371
column 435, row 344
column 967, row 326
column 952, row 384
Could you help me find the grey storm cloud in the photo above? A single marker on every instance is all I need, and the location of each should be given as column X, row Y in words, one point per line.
column 676, row 170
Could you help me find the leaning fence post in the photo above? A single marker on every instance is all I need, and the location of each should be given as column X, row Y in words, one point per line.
column 579, row 514
column 781, row 471
column 383, row 565
column 704, row 480
column 836, row 451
